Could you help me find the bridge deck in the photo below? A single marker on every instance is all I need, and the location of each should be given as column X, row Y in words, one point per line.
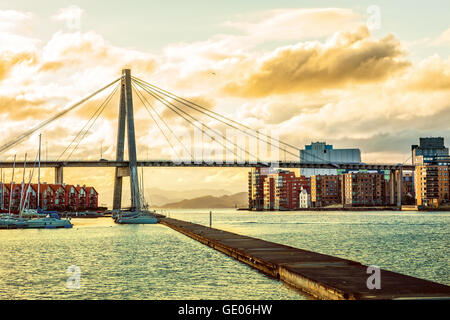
column 322, row 276
column 244, row 164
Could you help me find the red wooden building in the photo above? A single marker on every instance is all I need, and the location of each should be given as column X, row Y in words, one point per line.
column 51, row 197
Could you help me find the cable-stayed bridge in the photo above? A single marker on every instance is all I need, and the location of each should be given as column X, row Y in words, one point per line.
column 235, row 153
column 212, row 163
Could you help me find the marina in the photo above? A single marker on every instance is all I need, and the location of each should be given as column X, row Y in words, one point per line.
column 162, row 263
column 46, row 221
column 29, row 218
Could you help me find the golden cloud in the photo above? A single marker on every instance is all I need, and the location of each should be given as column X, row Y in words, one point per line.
column 9, row 60
column 433, row 74
column 19, row 108
column 88, row 51
column 281, row 24
column 347, row 58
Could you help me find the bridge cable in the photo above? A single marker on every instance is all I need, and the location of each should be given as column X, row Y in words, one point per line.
column 165, row 102
column 105, row 103
column 155, row 92
column 82, row 129
column 221, row 121
column 26, row 134
column 142, row 98
column 187, row 103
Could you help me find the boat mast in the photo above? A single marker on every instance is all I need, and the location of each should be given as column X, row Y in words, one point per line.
column 26, row 202
column 11, row 190
column 23, row 184
column 1, row 177
column 141, row 192
column 39, row 175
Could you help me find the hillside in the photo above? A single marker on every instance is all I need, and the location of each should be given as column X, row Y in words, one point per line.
column 239, row 199
column 160, row 197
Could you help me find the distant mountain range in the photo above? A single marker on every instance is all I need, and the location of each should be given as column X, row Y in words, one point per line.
column 159, row 197
column 239, row 199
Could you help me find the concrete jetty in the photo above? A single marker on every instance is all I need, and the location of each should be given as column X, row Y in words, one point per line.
column 321, row 276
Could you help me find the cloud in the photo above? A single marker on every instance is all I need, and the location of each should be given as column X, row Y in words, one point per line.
column 443, row 39
column 225, row 57
column 431, row 74
column 9, row 60
column 20, row 107
column 360, row 119
column 70, row 15
column 205, row 102
column 294, row 24
column 345, row 59
column 392, row 142
column 74, row 51
column 276, row 111
column 16, row 45
column 13, row 21
column 68, row 67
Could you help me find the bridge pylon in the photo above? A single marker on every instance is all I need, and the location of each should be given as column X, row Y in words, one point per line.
column 126, row 119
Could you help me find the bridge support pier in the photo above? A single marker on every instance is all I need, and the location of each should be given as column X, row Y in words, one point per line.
column 59, row 177
column 117, row 198
column 395, row 185
column 126, row 117
column 392, row 187
column 132, row 157
column 399, row 187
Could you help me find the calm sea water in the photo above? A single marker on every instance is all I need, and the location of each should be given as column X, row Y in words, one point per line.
column 155, row 262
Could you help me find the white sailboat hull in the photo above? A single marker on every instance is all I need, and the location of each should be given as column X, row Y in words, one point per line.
column 137, row 220
column 48, row 223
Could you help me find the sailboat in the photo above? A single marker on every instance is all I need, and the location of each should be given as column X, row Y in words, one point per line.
column 7, row 219
column 137, row 215
column 50, row 220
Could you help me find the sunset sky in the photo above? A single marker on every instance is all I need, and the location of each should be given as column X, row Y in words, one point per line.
column 308, row 70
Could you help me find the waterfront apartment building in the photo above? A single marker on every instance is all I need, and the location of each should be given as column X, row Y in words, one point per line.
column 432, row 185
column 256, row 178
column 269, row 193
column 325, row 190
column 431, row 176
column 320, row 152
column 408, row 191
column 304, row 199
column 429, row 150
column 287, row 189
column 365, row 189
column 275, row 190
column 51, row 197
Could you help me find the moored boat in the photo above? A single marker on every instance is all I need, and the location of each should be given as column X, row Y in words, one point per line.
column 11, row 222
column 136, row 215
column 51, row 221
column 139, row 217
